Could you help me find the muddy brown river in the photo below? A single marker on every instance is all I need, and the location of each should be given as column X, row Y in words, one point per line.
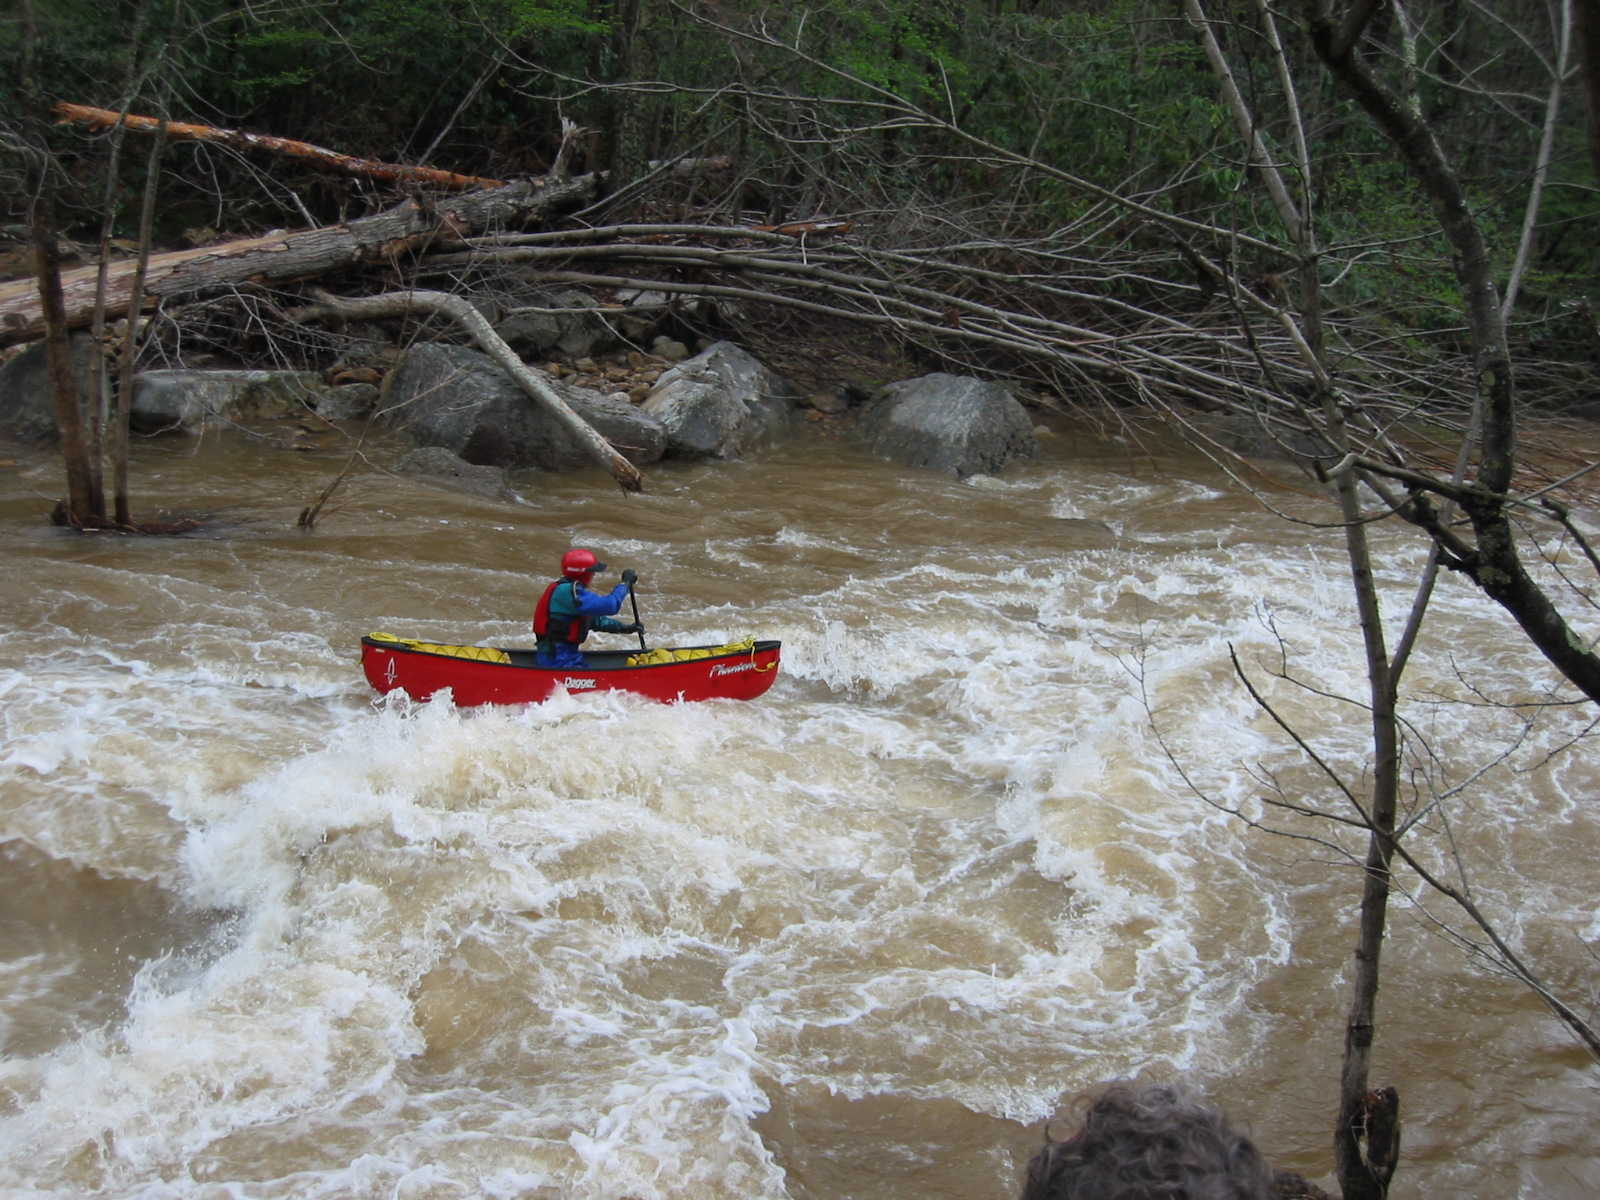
column 264, row 935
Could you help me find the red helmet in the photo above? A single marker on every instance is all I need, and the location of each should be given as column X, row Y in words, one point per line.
column 575, row 564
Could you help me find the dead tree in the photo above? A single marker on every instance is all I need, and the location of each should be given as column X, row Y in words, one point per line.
column 1365, row 1142
column 85, row 505
column 315, row 156
column 282, row 257
column 119, row 421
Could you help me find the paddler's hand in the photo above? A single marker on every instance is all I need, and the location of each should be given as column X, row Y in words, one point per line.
column 634, row 628
column 629, row 576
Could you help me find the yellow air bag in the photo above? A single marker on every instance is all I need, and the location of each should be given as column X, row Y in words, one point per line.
column 477, row 653
column 650, row 658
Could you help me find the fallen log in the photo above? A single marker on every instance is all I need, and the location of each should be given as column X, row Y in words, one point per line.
column 396, row 304
column 281, row 257
column 238, row 139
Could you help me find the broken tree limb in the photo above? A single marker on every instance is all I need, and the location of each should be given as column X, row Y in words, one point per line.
column 238, row 139
column 281, row 257
column 396, row 304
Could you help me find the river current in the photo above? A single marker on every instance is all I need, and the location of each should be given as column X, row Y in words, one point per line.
column 265, row 935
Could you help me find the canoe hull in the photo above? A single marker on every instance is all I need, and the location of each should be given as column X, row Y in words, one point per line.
column 393, row 666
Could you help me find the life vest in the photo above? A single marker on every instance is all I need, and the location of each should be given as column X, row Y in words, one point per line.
column 554, row 626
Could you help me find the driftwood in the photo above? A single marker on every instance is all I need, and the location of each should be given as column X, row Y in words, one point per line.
column 238, row 139
column 395, row 304
column 281, row 257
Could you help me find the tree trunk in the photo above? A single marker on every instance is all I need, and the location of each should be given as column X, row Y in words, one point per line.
column 118, row 438
column 280, row 257
column 1588, row 14
column 316, row 156
column 394, row 304
column 85, row 502
column 1496, row 567
column 625, row 155
column 1359, row 1178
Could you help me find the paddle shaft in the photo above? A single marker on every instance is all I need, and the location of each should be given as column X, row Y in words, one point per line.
column 634, row 600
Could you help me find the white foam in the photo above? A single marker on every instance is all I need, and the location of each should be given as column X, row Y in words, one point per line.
column 567, row 946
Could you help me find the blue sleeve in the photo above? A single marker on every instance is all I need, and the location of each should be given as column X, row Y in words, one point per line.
column 594, row 604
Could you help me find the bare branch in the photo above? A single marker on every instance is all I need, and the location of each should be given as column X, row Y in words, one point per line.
column 469, row 318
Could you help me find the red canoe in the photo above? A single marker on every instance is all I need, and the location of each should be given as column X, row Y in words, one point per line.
column 496, row 675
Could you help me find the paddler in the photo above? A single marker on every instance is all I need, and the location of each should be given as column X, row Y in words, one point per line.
column 568, row 611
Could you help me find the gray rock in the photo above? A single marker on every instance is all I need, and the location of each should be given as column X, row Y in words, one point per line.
column 635, row 298
column 182, row 401
column 949, row 423
column 347, row 401
column 640, row 437
column 460, row 399
column 643, row 312
column 27, row 409
column 436, row 465
column 831, row 402
column 669, row 349
column 555, row 320
column 720, row 404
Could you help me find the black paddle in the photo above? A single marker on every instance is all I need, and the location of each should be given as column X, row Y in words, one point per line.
column 634, row 600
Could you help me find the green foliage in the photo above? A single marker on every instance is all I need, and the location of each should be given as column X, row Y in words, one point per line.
column 368, row 57
column 78, row 40
column 1118, row 92
column 276, row 58
column 912, row 50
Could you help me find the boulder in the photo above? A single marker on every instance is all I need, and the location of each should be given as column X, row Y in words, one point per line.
column 546, row 321
column 436, row 465
column 640, row 437
column 27, row 409
column 949, row 423
column 829, row 403
column 720, row 403
column 182, row 401
column 642, row 312
column 347, row 401
column 669, row 348
column 458, row 398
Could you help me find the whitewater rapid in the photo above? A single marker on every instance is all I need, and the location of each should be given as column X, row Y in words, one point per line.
column 273, row 936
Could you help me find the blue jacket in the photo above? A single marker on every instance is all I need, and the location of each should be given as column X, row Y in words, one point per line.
column 570, row 602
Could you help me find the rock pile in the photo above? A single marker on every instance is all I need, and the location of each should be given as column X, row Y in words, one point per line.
column 474, row 419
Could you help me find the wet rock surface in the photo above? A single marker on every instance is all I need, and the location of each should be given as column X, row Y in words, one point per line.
column 436, row 465
column 459, row 399
column 949, row 423
column 720, row 404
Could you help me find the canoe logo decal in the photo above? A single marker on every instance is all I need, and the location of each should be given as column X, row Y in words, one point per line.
column 577, row 685
column 723, row 669
column 389, row 672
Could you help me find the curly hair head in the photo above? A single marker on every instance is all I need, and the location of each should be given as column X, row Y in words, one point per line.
column 1157, row 1142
